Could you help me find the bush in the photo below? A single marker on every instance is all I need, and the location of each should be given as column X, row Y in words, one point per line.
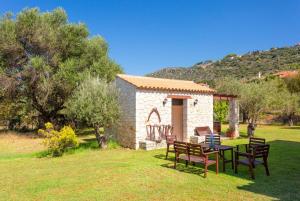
column 58, row 141
column 112, row 144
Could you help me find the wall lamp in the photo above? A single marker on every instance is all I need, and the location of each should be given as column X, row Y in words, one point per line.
column 165, row 101
column 196, row 102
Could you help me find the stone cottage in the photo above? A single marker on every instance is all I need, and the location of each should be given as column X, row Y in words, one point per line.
column 149, row 106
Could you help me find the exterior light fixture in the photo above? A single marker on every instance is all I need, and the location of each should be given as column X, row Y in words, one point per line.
column 195, row 102
column 165, row 101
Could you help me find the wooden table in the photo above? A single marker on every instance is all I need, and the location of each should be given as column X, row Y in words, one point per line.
column 222, row 149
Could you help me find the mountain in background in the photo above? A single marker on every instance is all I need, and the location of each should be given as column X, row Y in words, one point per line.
column 246, row 66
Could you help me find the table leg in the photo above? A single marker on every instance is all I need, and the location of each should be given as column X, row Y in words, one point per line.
column 232, row 165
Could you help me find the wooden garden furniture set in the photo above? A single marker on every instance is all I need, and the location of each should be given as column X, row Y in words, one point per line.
column 256, row 153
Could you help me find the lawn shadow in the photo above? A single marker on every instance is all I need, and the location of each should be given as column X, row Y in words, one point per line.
column 182, row 168
column 284, row 164
column 192, row 169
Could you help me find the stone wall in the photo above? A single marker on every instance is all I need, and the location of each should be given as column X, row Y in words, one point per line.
column 146, row 100
column 125, row 130
column 200, row 114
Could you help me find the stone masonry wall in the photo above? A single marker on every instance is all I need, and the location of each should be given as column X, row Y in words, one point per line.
column 200, row 114
column 125, row 130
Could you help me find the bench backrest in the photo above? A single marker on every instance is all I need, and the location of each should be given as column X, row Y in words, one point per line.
column 180, row 147
column 195, row 149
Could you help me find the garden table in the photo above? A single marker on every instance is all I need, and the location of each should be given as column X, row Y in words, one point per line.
column 222, row 149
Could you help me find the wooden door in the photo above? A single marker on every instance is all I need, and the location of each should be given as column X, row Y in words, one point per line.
column 177, row 118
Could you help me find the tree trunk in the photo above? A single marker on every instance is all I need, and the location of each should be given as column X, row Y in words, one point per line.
column 291, row 122
column 250, row 129
column 245, row 117
column 101, row 139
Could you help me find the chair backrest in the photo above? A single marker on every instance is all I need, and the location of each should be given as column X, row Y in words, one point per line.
column 170, row 139
column 261, row 151
column 216, row 139
column 204, row 130
column 195, row 149
column 256, row 141
column 180, row 147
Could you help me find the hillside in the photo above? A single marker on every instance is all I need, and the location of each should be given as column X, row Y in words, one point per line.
column 245, row 66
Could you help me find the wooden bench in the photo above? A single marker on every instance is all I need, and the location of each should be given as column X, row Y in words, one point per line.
column 193, row 153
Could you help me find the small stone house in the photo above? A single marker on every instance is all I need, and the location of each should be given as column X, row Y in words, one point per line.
column 149, row 105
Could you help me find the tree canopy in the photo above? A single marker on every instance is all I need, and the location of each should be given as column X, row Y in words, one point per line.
column 43, row 57
column 261, row 96
column 95, row 102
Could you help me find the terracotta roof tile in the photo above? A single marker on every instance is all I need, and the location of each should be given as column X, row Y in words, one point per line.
column 165, row 84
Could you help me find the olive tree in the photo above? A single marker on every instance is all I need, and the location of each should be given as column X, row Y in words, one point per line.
column 255, row 98
column 95, row 103
column 43, row 57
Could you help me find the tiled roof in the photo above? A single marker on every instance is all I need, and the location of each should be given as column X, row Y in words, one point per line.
column 165, row 84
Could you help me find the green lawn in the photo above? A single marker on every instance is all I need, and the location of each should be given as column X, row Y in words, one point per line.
column 123, row 174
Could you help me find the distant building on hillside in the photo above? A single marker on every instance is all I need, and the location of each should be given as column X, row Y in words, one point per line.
column 259, row 74
column 287, row 74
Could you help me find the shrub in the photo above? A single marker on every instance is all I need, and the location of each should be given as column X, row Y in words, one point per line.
column 58, row 141
column 112, row 144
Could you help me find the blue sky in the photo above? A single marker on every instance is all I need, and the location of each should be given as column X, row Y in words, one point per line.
column 145, row 36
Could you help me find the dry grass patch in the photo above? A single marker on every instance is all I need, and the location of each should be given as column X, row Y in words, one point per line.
column 15, row 143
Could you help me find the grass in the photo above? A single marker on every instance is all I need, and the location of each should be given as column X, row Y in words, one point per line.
column 122, row 174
